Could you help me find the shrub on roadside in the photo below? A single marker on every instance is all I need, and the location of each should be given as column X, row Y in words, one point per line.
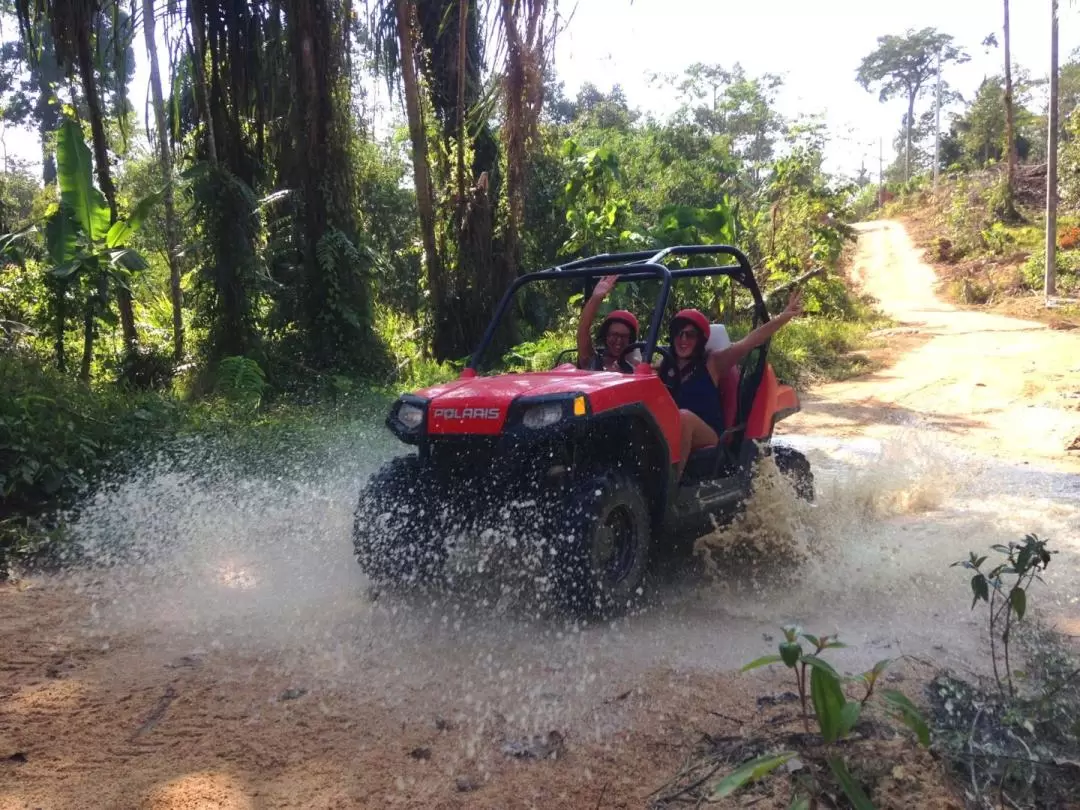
column 58, row 436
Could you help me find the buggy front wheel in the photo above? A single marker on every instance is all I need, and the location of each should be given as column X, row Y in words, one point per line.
column 606, row 545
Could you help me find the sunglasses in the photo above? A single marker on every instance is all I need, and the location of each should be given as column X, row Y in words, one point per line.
column 619, row 335
column 689, row 333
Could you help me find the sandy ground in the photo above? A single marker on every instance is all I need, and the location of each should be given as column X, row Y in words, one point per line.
column 240, row 677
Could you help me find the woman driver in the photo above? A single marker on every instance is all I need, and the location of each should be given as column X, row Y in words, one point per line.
column 618, row 330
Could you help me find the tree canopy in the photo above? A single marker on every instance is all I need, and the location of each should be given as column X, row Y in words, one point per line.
column 901, row 66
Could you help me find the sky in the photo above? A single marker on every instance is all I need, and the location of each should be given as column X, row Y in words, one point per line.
column 815, row 46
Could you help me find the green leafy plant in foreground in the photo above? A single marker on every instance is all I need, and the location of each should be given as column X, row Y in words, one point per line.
column 795, row 659
column 1014, row 746
column 1004, row 588
column 822, row 695
column 81, row 238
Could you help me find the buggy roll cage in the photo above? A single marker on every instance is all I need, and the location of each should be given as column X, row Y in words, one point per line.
column 637, row 265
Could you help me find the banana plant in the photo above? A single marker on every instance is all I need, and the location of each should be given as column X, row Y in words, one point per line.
column 80, row 239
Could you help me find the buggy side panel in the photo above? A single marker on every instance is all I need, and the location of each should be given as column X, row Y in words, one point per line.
column 646, row 390
column 772, row 402
column 787, row 403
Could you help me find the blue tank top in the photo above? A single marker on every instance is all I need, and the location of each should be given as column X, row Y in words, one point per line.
column 697, row 394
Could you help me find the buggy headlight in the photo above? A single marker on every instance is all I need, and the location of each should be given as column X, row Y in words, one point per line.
column 411, row 416
column 407, row 419
column 541, row 416
column 543, row 412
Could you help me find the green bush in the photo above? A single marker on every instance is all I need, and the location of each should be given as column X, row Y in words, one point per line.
column 404, row 337
column 58, row 437
column 998, row 239
column 811, row 349
column 1068, row 269
column 864, row 205
column 241, row 380
column 57, row 434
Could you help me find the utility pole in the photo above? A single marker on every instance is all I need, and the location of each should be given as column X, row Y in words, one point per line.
column 1051, row 160
column 881, row 172
column 937, row 126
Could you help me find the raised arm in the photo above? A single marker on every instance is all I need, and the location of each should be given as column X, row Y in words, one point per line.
column 723, row 359
column 584, row 338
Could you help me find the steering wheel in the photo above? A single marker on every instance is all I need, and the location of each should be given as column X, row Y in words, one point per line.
column 601, row 351
column 564, row 353
column 663, row 351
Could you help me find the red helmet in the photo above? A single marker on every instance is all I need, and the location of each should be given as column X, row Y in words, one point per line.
column 695, row 319
column 623, row 317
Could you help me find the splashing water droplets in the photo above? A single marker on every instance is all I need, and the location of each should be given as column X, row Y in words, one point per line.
column 259, row 571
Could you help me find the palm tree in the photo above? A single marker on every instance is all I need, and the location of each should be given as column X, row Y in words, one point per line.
column 425, row 198
column 165, row 154
column 72, row 23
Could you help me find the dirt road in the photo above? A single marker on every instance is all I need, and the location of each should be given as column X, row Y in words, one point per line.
column 241, row 666
column 1004, row 387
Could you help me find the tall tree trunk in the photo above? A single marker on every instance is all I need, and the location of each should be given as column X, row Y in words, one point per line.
column 524, row 101
column 202, row 90
column 124, row 304
column 101, row 159
column 48, row 113
column 46, row 73
column 516, row 81
column 462, row 72
column 1050, row 279
column 907, row 140
column 88, row 343
column 165, row 154
column 94, row 301
column 425, row 199
column 61, row 323
column 336, row 306
column 1010, row 127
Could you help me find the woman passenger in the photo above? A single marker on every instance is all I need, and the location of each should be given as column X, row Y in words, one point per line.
column 694, row 377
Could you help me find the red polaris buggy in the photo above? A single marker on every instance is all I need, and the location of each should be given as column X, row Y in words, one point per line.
column 583, row 461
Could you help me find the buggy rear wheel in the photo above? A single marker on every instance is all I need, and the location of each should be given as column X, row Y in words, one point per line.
column 796, row 468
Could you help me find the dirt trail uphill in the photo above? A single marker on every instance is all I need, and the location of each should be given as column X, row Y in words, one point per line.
column 1001, row 386
column 238, row 662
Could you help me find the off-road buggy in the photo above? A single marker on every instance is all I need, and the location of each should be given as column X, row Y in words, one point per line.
column 583, row 462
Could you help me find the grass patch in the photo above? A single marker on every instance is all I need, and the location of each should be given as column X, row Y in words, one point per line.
column 813, row 350
column 1018, row 751
column 1013, row 740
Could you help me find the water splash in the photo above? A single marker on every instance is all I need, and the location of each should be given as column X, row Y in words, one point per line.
column 256, row 573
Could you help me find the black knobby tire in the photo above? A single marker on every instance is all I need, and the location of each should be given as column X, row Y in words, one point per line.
column 606, row 545
column 397, row 525
column 796, row 468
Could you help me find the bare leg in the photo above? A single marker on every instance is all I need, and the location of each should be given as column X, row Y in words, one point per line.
column 695, row 435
